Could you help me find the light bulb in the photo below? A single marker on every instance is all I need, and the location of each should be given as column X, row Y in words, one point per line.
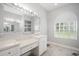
column 55, row 4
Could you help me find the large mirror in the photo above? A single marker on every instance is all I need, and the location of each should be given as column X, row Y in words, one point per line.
column 16, row 19
column 11, row 25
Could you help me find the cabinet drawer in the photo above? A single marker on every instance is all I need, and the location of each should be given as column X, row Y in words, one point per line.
column 29, row 47
column 14, row 51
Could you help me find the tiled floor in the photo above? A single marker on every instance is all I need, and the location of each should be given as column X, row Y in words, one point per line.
column 54, row 50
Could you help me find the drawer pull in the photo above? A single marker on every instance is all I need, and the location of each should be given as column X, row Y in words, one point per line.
column 9, row 52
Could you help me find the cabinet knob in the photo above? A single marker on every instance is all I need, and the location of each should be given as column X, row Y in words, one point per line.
column 9, row 52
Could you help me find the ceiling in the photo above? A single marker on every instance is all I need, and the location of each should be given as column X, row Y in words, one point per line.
column 52, row 6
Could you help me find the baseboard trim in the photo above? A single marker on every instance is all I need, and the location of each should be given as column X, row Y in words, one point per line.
column 69, row 47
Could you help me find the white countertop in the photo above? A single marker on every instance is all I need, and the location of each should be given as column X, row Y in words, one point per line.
column 24, row 43
column 5, row 44
column 27, row 40
column 21, row 42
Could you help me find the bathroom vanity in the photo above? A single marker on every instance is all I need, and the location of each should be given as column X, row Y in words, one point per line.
column 10, row 47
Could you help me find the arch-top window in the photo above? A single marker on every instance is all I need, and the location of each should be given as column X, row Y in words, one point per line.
column 66, row 26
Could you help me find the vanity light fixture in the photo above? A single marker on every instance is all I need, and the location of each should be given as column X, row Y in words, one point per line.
column 6, row 23
column 9, row 19
column 18, row 21
column 25, row 10
column 55, row 4
column 12, row 20
column 16, row 4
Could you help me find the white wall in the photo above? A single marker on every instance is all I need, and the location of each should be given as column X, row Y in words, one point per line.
column 74, row 8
